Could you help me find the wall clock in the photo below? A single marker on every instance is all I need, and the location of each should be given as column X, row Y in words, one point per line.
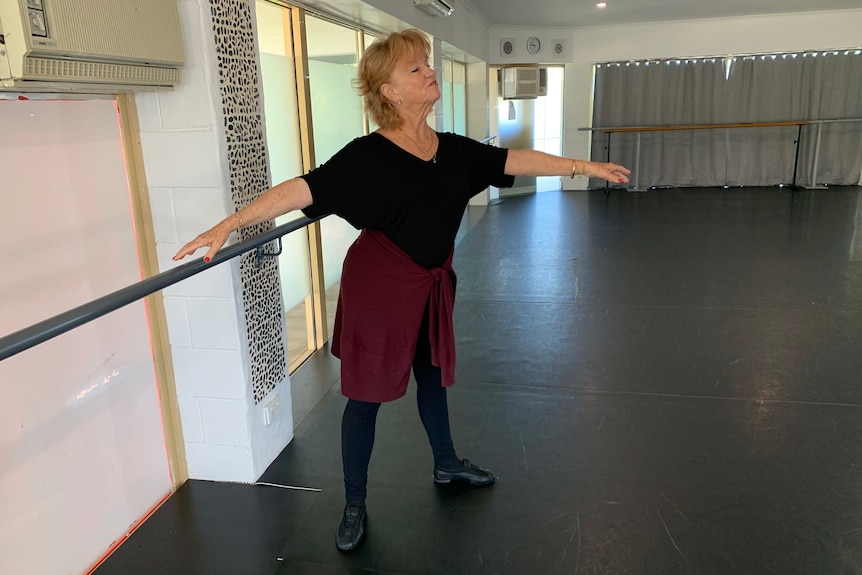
column 534, row 45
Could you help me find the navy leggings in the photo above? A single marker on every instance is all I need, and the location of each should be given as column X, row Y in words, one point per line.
column 360, row 417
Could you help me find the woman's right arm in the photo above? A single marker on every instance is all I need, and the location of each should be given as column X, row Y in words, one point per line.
column 285, row 197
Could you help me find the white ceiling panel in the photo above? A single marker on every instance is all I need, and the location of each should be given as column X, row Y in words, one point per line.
column 581, row 13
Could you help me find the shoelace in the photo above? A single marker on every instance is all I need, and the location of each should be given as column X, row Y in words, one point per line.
column 351, row 516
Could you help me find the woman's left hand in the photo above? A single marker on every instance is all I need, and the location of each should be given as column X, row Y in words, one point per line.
column 613, row 173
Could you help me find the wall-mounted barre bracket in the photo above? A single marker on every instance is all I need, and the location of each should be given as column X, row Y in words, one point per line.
column 262, row 254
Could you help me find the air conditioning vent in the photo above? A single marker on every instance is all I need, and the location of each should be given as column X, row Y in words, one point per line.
column 67, row 45
column 507, row 47
column 435, row 7
column 98, row 72
column 525, row 82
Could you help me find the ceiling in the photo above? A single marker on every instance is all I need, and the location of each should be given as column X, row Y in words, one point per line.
column 582, row 13
column 567, row 14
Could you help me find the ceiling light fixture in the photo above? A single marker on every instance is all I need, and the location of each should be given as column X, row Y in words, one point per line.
column 435, row 7
column 602, row 5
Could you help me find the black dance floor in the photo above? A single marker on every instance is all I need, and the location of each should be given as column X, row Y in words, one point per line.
column 665, row 382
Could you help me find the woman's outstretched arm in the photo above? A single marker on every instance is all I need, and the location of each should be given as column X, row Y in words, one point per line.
column 533, row 163
column 287, row 196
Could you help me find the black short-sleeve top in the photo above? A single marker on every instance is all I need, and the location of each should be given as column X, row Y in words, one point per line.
column 373, row 183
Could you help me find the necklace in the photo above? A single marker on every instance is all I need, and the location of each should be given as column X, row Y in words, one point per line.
column 418, row 146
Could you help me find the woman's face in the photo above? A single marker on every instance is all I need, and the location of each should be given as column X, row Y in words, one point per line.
column 413, row 82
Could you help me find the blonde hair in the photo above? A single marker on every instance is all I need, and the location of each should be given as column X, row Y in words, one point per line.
column 375, row 69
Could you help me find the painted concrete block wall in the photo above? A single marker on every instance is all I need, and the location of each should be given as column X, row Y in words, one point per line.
column 184, row 151
column 437, row 120
column 757, row 34
column 477, row 112
column 477, row 100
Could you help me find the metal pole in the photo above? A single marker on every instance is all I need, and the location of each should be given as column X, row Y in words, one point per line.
column 637, row 186
column 814, row 185
column 607, row 185
column 43, row 331
column 793, row 185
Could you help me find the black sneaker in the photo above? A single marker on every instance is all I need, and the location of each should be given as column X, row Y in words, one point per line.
column 467, row 472
column 352, row 528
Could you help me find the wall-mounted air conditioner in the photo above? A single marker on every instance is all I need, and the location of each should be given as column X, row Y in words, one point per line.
column 435, row 7
column 70, row 45
column 524, row 82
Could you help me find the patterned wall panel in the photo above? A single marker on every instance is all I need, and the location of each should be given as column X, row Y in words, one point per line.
column 239, row 82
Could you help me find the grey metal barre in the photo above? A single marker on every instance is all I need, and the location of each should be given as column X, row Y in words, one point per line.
column 37, row 333
column 637, row 129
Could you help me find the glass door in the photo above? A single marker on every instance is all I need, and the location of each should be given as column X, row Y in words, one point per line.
column 308, row 64
column 535, row 124
column 454, row 97
column 548, row 127
column 284, row 143
column 311, row 110
column 337, row 118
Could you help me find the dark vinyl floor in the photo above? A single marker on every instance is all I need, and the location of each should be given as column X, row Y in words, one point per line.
column 665, row 382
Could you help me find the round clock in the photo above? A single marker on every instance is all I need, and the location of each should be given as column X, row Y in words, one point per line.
column 534, row 45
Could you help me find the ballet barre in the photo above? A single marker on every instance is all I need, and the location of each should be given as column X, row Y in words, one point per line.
column 799, row 123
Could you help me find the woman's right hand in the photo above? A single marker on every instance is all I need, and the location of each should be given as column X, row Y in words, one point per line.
column 214, row 238
column 290, row 195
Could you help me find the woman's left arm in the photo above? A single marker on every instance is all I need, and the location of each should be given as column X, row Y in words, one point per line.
column 533, row 163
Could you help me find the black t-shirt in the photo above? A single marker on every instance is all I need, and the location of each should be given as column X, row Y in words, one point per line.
column 372, row 183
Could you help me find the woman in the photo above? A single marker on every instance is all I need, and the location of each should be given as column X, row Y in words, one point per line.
column 406, row 187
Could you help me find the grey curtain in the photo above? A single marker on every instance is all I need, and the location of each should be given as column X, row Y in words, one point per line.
column 732, row 90
column 837, row 79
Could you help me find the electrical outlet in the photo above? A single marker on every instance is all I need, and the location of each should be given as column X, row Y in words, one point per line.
column 272, row 411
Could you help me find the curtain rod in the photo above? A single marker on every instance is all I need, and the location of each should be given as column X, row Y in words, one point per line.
column 856, row 50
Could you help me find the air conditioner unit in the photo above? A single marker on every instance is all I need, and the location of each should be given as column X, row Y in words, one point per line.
column 70, row 45
column 435, row 7
column 524, row 82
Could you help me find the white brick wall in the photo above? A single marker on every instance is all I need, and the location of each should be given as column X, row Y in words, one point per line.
column 183, row 144
column 220, row 462
column 213, row 324
column 224, row 422
column 209, row 373
column 478, row 113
